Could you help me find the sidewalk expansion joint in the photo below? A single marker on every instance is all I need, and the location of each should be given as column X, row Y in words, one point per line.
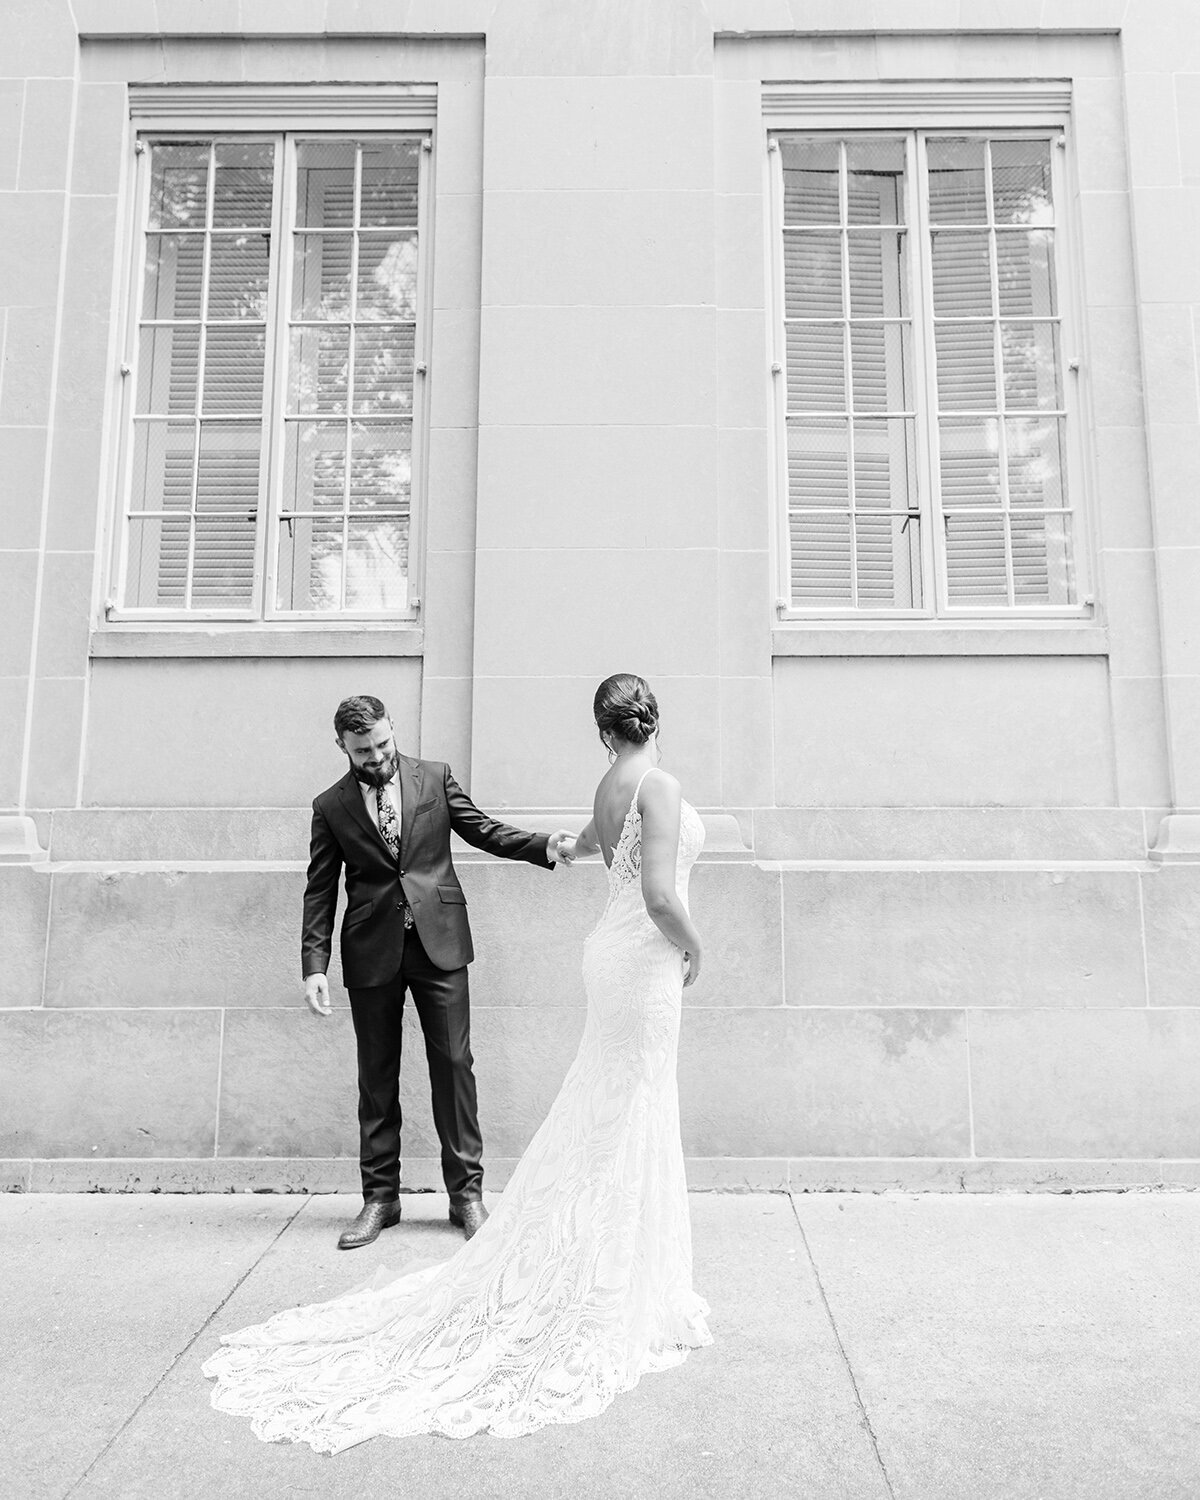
column 254, row 1265
column 862, row 1410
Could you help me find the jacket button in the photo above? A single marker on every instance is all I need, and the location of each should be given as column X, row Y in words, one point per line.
column 403, row 873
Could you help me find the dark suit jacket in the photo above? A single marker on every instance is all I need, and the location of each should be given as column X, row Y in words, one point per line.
column 432, row 803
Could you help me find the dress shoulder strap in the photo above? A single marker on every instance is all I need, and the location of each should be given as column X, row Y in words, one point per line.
column 637, row 789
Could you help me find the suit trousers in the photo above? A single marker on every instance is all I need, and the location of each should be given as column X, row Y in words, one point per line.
column 443, row 1006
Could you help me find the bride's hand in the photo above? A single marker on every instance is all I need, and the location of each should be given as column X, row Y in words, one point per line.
column 692, row 973
column 562, row 847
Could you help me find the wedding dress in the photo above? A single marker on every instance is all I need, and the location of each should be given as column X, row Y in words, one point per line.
column 578, row 1283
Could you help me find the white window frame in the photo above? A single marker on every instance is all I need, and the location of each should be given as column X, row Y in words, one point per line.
column 281, row 113
column 915, row 110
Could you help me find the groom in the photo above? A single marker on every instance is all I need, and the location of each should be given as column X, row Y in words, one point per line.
column 388, row 821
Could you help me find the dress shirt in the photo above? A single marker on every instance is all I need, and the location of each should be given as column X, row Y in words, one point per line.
column 391, row 790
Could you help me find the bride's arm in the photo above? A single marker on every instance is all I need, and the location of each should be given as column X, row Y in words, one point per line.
column 659, row 805
column 587, row 842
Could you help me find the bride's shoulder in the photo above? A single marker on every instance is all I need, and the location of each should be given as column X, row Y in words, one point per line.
column 659, row 788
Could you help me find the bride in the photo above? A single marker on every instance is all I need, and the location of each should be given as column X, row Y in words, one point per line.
column 581, row 1279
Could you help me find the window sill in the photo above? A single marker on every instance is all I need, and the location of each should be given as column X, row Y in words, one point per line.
column 273, row 640
column 817, row 638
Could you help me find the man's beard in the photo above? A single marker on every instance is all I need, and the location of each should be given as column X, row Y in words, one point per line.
column 380, row 777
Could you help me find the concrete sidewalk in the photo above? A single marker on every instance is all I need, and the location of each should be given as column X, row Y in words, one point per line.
column 866, row 1346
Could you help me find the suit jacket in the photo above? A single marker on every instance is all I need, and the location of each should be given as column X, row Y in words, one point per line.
column 343, row 834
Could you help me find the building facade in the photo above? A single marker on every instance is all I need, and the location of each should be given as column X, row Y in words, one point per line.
column 833, row 366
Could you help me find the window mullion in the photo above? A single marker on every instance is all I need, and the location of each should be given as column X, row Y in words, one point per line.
column 351, row 354
column 847, row 361
column 779, row 374
column 998, row 360
column 201, row 354
column 275, row 396
column 933, row 550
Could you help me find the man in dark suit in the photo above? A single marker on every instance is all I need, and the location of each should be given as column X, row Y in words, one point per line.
column 388, row 822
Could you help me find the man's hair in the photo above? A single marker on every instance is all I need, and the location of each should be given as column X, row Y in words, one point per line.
column 357, row 715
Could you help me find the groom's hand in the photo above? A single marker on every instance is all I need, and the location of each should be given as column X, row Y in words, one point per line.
column 316, row 992
column 560, row 847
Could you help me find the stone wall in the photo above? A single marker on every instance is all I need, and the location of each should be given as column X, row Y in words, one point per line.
column 953, row 939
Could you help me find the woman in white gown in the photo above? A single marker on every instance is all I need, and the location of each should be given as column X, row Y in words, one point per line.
column 581, row 1279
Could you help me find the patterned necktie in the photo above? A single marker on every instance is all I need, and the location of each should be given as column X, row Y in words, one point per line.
column 390, row 829
column 388, row 826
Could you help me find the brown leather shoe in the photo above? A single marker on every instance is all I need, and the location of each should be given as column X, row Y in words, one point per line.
column 468, row 1216
column 372, row 1218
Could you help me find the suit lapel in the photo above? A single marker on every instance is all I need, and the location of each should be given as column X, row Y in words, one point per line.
column 353, row 802
column 410, row 796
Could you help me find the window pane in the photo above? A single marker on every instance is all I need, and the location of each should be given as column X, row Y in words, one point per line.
column 812, row 274
column 174, row 277
column 888, row 561
column 383, row 369
column 318, row 370
column 822, row 570
column 325, row 184
column 1025, row 267
column 875, row 182
column 163, row 463
column 885, row 465
column 969, row 463
column 244, row 184
column 957, row 182
column 818, row 463
column 223, row 566
column 1043, row 572
column 314, row 466
column 389, row 182
column 321, row 276
column 962, row 274
column 1021, row 191
column 229, row 461
column 233, row 370
column 1031, row 365
column 878, row 274
column 1036, row 458
column 976, row 570
column 880, row 362
column 810, row 181
column 387, row 277
column 380, row 467
column 168, row 369
column 966, row 374
column 816, row 367
column 377, row 564
column 156, row 562
column 310, row 564
column 238, row 274
column 179, row 185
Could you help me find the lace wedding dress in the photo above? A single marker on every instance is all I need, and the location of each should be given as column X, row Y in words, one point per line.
column 578, row 1283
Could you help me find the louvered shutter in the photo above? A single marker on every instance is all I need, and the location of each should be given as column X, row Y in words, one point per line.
column 198, row 435
column 1000, row 420
column 853, row 536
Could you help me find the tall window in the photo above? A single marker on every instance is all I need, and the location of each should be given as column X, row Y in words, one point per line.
column 924, row 444
column 268, row 467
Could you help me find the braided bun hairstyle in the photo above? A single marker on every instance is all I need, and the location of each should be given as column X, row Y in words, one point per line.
column 625, row 707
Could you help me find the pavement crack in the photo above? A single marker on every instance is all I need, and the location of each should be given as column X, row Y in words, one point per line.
column 254, row 1265
column 866, row 1420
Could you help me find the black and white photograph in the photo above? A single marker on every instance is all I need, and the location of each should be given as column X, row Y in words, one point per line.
column 600, row 749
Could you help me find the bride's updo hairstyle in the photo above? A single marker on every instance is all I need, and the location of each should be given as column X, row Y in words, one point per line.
column 625, row 707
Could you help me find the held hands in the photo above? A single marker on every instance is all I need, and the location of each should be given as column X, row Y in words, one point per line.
column 316, row 992
column 560, row 847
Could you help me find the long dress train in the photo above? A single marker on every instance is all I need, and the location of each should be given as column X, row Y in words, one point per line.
column 578, row 1283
